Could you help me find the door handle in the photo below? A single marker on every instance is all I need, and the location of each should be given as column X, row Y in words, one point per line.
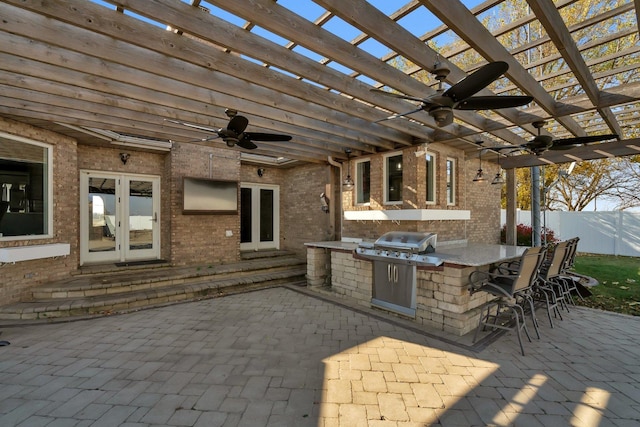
column 389, row 277
column 155, row 217
column 395, row 274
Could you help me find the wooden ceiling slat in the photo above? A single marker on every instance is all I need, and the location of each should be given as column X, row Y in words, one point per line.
column 280, row 21
column 454, row 14
column 556, row 29
column 177, row 73
column 367, row 18
column 175, row 96
column 81, row 63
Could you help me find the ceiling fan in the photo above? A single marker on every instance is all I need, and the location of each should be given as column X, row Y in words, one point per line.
column 234, row 133
column 542, row 143
column 440, row 106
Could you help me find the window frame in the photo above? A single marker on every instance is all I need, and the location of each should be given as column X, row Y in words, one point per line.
column 385, row 173
column 47, row 190
column 430, row 178
column 451, row 181
column 358, row 182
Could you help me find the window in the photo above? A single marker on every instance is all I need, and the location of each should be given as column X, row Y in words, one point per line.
column 430, row 163
column 451, row 182
column 25, row 187
column 363, row 182
column 393, row 179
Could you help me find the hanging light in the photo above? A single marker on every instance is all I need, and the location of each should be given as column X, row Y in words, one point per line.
column 498, row 179
column 479, row 176
column 347, row 184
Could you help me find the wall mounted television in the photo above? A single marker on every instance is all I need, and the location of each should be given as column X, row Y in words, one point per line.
column 209, row 196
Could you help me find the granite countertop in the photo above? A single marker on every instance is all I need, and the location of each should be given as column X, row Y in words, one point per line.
column 477, row 254
column 458, row 253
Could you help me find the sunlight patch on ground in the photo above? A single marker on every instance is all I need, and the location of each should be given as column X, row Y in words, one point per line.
column 388, row 379
column 591, row 408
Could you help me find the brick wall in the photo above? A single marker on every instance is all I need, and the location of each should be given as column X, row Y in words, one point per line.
column 19, row 278
column 202, row 238
column 481, row 199
column 107, row 159
column 301, row 217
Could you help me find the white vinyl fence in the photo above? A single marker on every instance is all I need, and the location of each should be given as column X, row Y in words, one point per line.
column 608, row 233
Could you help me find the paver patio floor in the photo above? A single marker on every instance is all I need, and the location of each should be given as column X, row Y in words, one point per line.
column 279, row 357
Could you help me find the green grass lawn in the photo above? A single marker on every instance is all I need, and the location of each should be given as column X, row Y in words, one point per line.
column 619, row 277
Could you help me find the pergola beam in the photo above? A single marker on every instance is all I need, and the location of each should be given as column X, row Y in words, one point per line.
column 557, row 30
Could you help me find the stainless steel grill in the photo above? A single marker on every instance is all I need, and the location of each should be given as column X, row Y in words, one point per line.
column 402, row 247
column 395, row 256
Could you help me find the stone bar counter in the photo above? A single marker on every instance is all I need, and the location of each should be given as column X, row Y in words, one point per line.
column 443, row 301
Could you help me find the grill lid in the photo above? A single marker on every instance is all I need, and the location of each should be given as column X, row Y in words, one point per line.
column 407, row 241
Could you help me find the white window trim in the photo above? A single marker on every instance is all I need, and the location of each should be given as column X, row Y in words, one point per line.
column 385, row 190
column 357, row 181
column 49, row 190
column 431, row 179
column 452, row 201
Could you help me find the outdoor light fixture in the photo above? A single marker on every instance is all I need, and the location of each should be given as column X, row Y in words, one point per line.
column 260, row 172
column 124, row 157
column 348, row 184
column 479, row 176
column 498, row 179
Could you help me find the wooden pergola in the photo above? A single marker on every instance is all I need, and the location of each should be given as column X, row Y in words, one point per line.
column 121, row 71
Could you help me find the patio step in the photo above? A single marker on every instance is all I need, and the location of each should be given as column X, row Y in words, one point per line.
column 94, row 294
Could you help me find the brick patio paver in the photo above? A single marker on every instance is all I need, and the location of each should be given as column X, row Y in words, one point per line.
column 280, row 357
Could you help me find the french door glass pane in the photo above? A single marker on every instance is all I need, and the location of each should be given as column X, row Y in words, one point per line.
column 364, row 182
column 245, row 215
column 102, row 214
column 266, row 215
column 394, row 178
column 140, row 215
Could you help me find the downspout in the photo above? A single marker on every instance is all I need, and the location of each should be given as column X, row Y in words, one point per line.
column 338, row 165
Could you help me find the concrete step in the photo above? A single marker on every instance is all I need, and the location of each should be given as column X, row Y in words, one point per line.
column 89, row 285
column 111, row 291
column 267, row 253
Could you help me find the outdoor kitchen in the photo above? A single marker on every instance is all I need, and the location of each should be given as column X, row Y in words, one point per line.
column 409, row 274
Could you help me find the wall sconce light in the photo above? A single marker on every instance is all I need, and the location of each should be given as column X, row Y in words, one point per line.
column 347, row 184
column 124, row 157
column 260, row 172
column 479, row 176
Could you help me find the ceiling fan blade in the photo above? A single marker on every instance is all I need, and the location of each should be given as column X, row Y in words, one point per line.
column 477, row 81
column 493, row 102
column 566, row 143
column 398, row 95
column 246, row 143
column 238, row 124
column 506, row 147
column 192, row 125
column 395, row 116
column 257, row 136
column 208, row 138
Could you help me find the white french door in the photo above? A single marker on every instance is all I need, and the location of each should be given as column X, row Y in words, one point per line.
column 119, row 217
column 259, row 217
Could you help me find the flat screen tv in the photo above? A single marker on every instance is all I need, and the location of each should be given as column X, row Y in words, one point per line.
column 209, row 196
